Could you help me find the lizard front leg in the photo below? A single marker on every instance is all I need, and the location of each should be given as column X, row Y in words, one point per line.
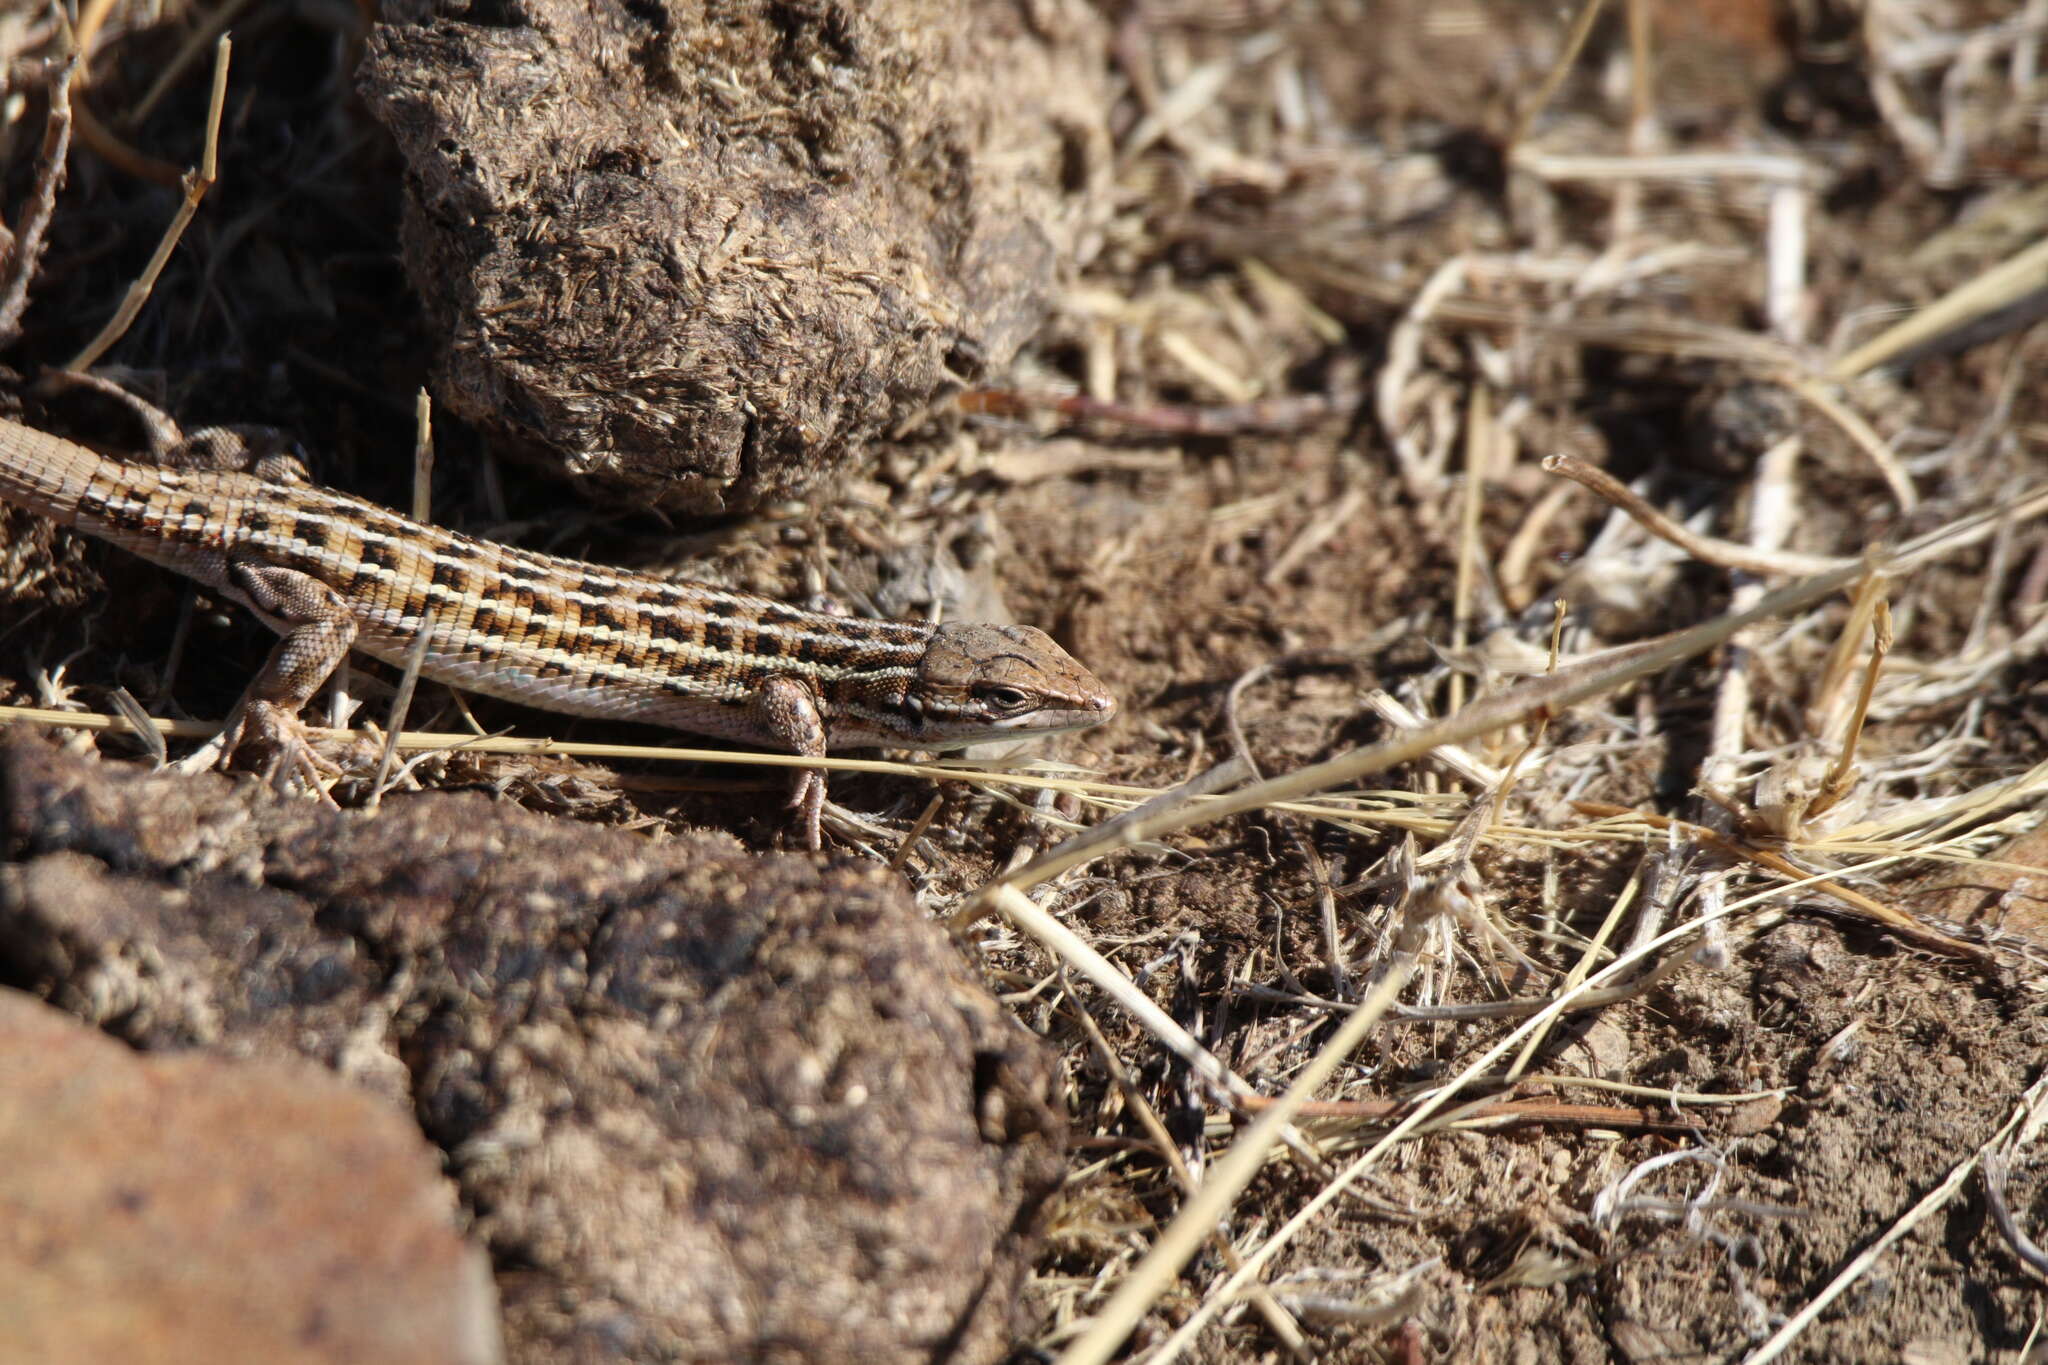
column 786, row 710
column 318, row 632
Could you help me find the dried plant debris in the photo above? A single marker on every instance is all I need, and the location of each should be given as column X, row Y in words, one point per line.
column 704, row 256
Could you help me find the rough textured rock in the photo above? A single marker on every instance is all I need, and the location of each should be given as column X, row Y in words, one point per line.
column 186, row 1207
column 700, row 1105
column 703, row 254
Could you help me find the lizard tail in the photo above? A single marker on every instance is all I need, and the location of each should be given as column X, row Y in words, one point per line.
column 44, row 473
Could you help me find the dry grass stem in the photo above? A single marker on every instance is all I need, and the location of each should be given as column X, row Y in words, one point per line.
column 1478, row 440
column 212, row 24
column 152, row 739
column 1567, row 57
column 1836, row 785
column 1823, row 710
column 401, row 703
column 1581, row 969
column 423, row 458
column 1680, row 166
column 1229, row 1175
column 1071, row 950
column 196, row 183
column 1277, row 1318
column 1858, row 904
column 1493, row 1113
column 2013, row 279
column 1457, row 758
column 1860, row 432
column 1785, row 253
column 1425, row 1108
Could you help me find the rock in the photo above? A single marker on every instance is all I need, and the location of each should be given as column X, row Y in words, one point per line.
column 699, row 1104
column 185, row 1207
column 702, row 255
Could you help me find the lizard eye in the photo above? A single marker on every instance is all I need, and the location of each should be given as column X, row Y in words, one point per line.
column 1004, row 699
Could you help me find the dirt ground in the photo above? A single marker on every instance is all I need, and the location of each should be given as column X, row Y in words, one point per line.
column 1340, row 261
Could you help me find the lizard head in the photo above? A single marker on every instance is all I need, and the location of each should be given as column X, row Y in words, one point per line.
column 979, row 683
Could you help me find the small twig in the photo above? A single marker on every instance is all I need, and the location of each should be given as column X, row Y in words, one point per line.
column 1723, row 554
column 423, row 459
column 917, row 829
column 196, row 183
column 22, row 251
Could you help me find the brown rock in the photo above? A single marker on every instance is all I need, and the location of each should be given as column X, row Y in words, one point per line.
column 699, row 1104
column 185, row 1208
column 703, row 254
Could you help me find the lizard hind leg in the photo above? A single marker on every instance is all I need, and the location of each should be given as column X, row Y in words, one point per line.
column 318, row 632
column 265, row 451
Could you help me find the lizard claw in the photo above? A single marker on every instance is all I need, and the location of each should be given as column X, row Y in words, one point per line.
column 288, row 761
column 807, row 798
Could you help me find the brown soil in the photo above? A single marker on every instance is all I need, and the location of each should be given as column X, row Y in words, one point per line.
column 1284, row 183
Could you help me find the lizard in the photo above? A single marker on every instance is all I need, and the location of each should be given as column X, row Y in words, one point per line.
column 332, row 573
